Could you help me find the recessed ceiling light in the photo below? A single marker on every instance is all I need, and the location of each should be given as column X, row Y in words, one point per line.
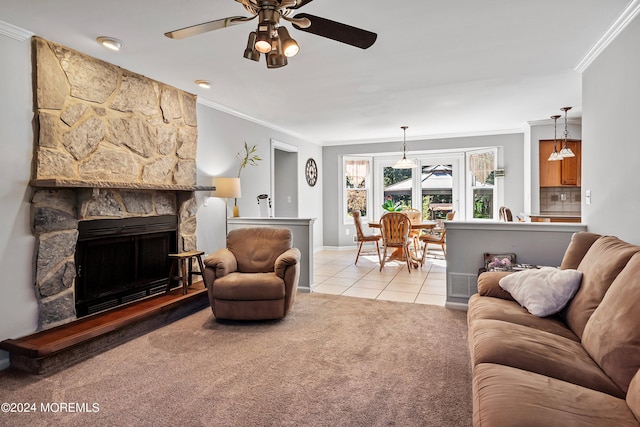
column 205, row 84
column 110, row 43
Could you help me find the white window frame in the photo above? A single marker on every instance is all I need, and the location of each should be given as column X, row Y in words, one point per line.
column 497, row 184
column 346, row 219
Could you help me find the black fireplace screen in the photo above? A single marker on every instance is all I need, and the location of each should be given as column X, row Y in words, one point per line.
column 122, row 260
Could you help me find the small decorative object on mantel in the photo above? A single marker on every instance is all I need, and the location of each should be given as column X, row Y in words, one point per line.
column 311, row 172
column 248, row 158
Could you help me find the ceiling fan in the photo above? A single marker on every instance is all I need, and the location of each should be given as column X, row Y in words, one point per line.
column 273, row 39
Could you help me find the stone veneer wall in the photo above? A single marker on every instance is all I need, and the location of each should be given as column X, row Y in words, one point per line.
column 117, row 145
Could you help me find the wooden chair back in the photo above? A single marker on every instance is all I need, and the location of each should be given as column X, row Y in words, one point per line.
column 413, row 214
column 395, row 228
column 505, row 214
column 358, row 223
column 451, row 215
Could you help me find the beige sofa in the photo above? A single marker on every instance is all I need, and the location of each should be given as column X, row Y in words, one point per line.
column 575, row 368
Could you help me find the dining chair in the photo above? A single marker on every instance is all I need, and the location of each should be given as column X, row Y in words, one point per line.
column 415, row 216
column 505, row 214
column 436, row 237
column 395, row 228
column 362, row 238
column 433, row 239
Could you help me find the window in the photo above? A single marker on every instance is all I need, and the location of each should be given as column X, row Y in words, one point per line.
column 356, row 187
column 481, row 168
column 398, row 186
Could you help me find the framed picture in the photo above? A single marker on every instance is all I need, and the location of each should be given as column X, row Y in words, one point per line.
column 499, row 262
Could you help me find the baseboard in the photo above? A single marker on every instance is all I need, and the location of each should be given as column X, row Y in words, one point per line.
column 456, row 306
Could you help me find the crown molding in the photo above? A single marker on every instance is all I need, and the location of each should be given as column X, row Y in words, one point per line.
column 627, row 15
column 544, row 122
column 426, row 137
column 14, row 32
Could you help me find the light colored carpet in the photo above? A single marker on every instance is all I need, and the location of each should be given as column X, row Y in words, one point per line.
column 333, row 361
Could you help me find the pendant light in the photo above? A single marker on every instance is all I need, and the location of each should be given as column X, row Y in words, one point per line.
column 404, row 163
column 555, row 156
column 566, row 151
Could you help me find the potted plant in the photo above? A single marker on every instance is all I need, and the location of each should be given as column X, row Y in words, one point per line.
column 389, row 206
column 249, row 157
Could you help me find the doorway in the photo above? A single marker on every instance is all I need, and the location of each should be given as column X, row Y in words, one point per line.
column 284, row 179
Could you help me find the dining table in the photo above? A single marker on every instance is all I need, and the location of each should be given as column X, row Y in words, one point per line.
column 415, row 226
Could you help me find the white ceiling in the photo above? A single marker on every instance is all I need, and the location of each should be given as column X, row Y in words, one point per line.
column 440, row 67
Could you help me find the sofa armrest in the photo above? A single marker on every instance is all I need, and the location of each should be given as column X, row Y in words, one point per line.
column 222, row 262
column 288, row 258
column 489, row 284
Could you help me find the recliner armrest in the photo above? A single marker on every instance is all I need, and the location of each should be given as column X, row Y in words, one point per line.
column 222, row 262
column 288, row 258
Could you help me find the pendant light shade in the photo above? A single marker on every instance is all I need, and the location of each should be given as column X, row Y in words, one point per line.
column 566, row 151
column 404, row 163
column 555, row 156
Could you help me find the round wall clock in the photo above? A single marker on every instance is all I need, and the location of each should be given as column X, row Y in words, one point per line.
column 311, row 172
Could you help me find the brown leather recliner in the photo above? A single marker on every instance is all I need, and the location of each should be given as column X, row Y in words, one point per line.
column 255, row 277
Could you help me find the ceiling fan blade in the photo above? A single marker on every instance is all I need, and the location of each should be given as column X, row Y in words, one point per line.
column 336, row 31
column 300, row 4
column 194, row 30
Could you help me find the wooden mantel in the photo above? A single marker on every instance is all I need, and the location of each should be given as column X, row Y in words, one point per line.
column 72, row 183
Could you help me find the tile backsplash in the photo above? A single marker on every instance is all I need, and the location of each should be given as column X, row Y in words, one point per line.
column 560, row 199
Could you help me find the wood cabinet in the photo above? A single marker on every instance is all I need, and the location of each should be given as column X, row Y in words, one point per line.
column 565, row 172
column 543, row 218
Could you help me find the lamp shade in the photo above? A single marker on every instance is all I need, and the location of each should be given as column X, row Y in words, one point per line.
column 227, row 188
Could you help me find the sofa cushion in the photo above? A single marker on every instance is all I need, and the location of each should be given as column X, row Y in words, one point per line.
column 543, row 291
column 510, row 311
column 612, row 334
column 494, row 341
column 601, row 264
column 633, row 395
column 249, row 287
column 504, row 397
column 578, row 247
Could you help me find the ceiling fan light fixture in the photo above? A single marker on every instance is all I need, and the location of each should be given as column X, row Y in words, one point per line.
column 250, row 52
column 275, row 58
column 110, row 43
column 289, row 46
column 263, row 39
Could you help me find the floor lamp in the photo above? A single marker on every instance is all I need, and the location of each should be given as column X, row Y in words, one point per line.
column 226, row 188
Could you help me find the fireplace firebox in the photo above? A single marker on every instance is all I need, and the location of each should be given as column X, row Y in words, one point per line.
column 122, row 260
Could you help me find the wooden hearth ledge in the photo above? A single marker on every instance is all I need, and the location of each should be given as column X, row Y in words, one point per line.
column 48, row 351
column 73, row 183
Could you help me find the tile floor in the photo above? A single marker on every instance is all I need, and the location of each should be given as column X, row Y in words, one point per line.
column 335, row 273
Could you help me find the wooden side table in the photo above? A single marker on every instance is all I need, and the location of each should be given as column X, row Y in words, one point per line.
column 183, row 261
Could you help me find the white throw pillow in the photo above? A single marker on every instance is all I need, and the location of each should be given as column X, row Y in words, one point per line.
column 543, row 291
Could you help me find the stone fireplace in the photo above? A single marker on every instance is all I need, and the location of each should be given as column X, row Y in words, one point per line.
column 110, row 144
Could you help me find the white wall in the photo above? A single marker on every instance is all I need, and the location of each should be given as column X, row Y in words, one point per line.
column 611, row 138
column 18, row 307
column 222, row 135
